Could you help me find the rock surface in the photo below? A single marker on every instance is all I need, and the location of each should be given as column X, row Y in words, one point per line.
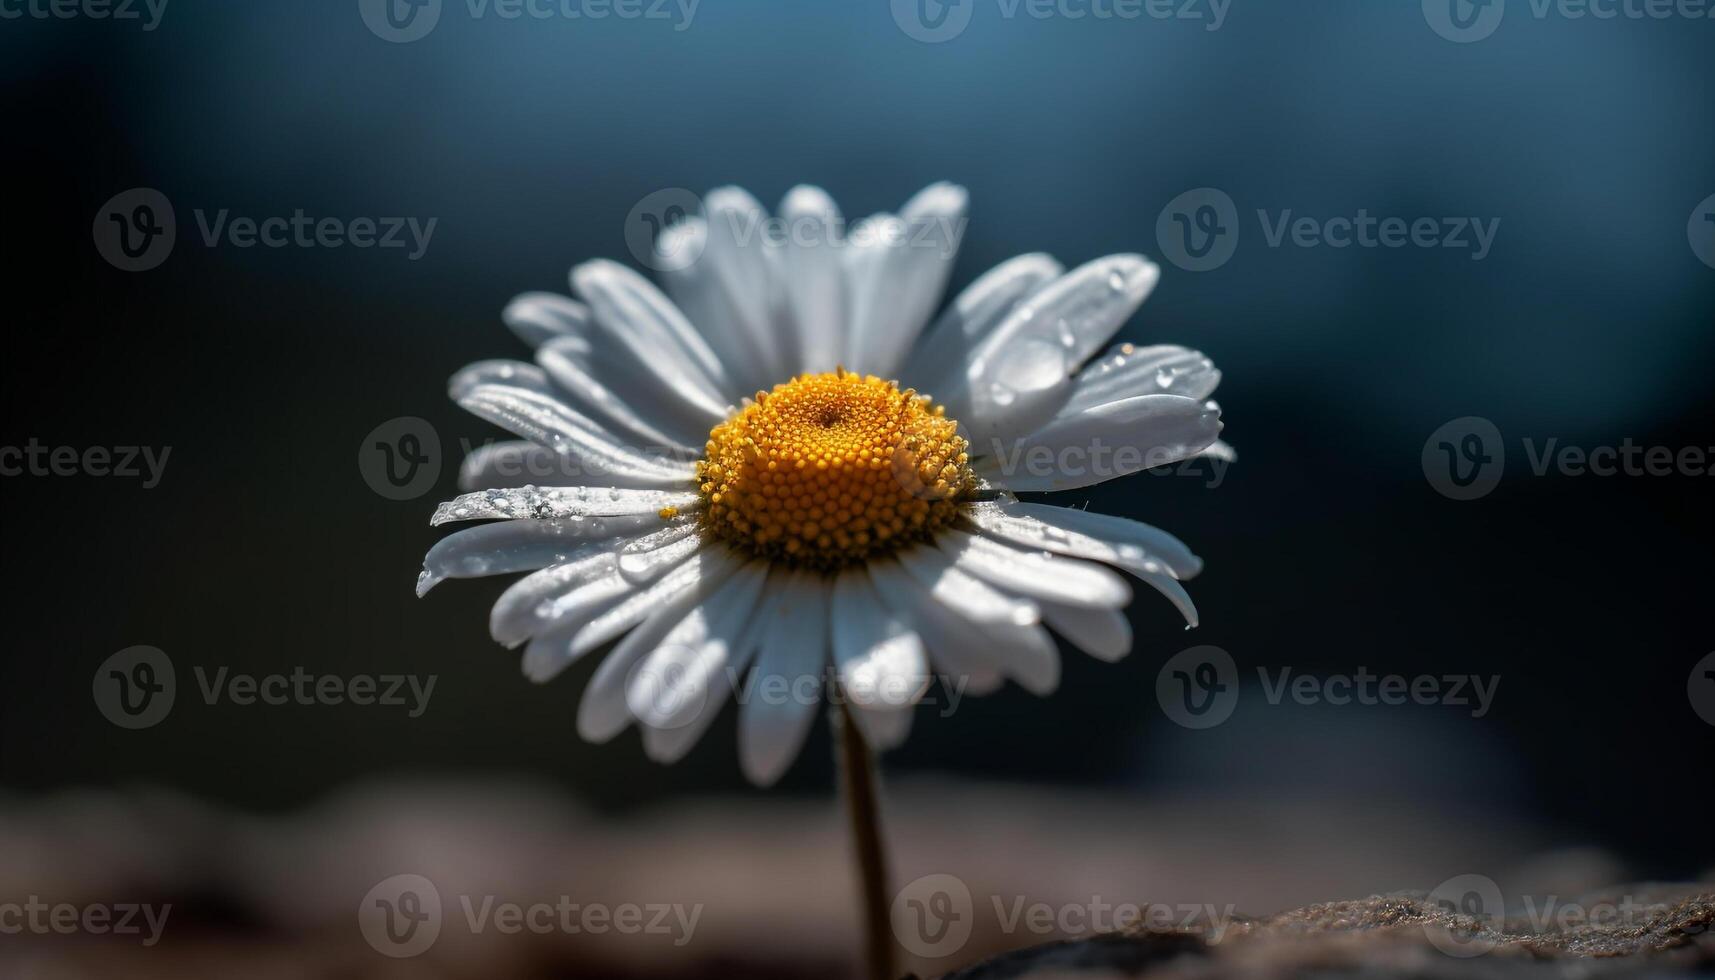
column 1652, row 930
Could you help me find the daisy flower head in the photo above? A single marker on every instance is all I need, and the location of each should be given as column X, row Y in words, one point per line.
column 787, row 477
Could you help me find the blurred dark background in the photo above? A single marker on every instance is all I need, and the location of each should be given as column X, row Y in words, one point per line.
column 530, row 141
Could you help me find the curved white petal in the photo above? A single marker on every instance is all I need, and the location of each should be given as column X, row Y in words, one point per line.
column 784, row 690
column 526, row 607
column 667, row 745
column 600, row 609
column 1103, row 537
column 955, row 646
column 631, row 371
column 633, row 313
column 540, row 317
column 897, row 273
column 592, row 503
column 880, row 661
column 707, row 565
column 1101, row 443
column 945, row 348
column 1126, row 370
column 1018, row 376
column 602, row 711
column 882, row 729
column 511, row 546
column 736, row 258
column 970, row 596
column 554, row 620
column 643, row 558
column 566, row 362
column 601, row 458
column 711, row 292
column 1005, row 628
column 672, row 685
column 515, row 374
column 813, row 278
column 1102, row 633
column 1035, row 574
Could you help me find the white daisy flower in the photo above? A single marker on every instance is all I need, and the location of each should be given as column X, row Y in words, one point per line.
column 852, row 515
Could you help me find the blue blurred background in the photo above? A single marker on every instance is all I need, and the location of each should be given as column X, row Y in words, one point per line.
column 530, row 141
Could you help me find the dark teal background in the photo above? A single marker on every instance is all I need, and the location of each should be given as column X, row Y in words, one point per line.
column 1591, row 321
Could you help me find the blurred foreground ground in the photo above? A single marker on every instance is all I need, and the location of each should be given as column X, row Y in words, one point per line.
column 757, row 886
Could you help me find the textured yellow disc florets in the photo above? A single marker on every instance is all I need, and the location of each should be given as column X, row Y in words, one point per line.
column 827, row 470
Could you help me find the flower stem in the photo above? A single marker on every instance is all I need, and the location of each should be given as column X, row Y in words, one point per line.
column 858, row 778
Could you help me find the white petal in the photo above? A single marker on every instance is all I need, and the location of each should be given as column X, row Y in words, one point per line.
column 1035, row 574
column 1004, row 630
column 602, row 711
column 600, row 609
column 629, row 369
column 672, row 685
column 1102, row 633
column 523, row 609
column 1018, row 376
column 548, row 422
column 709, row 564
column 881, row 729
column 644, row 558
column 587, row 589
column 701, row 289
column 667, row 745
column 1101, row 443
column 736, row 262
column 540, row 317
column 945, row 348
column 970, row 596
column 513, row 546
column 1125, row 371
column 785, row 688
column 594, row 503
column 952, row 642
column 566, row 362
column 516, row 374
column 1086, row 534
column 633, row 312
column 880, row 661
column 813, row 278
column 898, row 275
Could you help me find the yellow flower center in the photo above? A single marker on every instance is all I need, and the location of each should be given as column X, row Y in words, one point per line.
column 828, row 470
